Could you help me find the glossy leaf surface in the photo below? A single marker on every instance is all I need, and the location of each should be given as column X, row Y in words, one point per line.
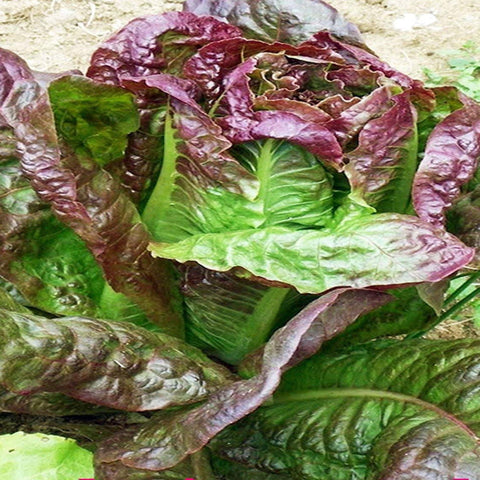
column 408, row 416
column 107, row 363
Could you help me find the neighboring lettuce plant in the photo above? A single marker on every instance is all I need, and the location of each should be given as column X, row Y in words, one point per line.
column 39, row 456
column 229, row 191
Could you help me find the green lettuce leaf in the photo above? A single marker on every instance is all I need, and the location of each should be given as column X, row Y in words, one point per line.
column 170, row 437
column 396, row 410
column 47, row 262
column 67, row 278
column 93, row 118
column 227, row 316
column 383, row 249
column 43, row 457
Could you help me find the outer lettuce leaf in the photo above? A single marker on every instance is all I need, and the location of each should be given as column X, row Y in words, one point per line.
column 450, row 161
column 58, row 276
column 12, row 69
column 154, row 44
column 42, row 457
column 426, row 369
column 20, row 208
column 107, row 363
column 93, row 119
column 47, row 262
column 344, row 435
column 284, row 21
column 383, row 411
column 8, row 302
column 382, row 167
column 53, row 404
column 168, row 439
column 406, row 314
column 382, row 250
column 92, row 203
column 67, row 279
column 464, row 220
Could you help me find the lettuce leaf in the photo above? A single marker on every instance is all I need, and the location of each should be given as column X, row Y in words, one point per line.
column 284, row 20
column 169, row 438
column 91, row 202
column 43, row 457
column 155, row 44
column 450, row 161
column 113, row 364
column 407, row 415
column 365, row 250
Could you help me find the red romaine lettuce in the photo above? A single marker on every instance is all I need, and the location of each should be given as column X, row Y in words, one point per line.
column 275, row 170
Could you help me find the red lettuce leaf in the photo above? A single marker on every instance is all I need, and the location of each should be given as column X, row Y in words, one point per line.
column 20, row 211
column 347, row 123
column 43, row 403
column 285, row 21
column 168, row 439
column 360, row 56
column 382, row 167
column 241, row 123
column 141, row 47
column 150, row 45
column 213, row 62
column 12, row 69
column 107, row 363
column 65, row 283
column 450, row 161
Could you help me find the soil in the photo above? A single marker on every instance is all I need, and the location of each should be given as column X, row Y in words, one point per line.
column 56, row 35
